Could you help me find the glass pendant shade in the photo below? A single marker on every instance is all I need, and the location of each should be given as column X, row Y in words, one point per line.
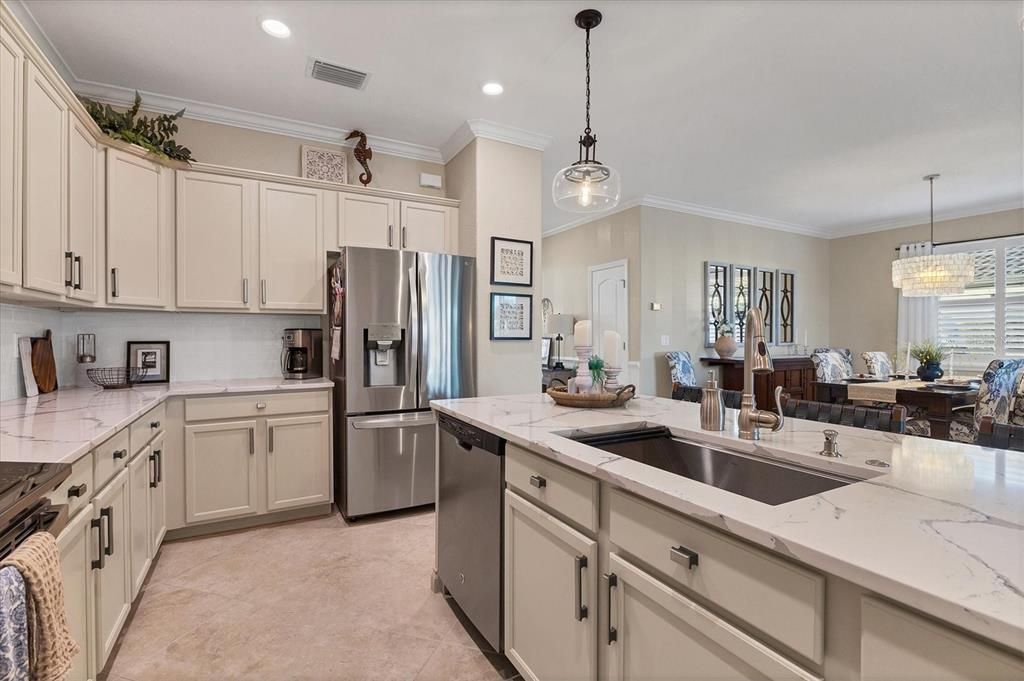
column 933, row 275
column 586, row 188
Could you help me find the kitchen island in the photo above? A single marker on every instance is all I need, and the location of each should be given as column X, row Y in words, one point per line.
column 940, row 531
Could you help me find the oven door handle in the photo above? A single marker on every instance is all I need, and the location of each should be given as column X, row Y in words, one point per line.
column 404, row 421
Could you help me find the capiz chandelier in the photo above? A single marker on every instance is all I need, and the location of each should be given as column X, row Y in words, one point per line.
column 947, row 274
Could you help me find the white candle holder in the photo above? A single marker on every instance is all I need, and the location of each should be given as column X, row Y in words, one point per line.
column 583, row 355
column 611, row 379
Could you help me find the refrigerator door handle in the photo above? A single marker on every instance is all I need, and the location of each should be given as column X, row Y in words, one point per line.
column 415, row 332
column 425, row 418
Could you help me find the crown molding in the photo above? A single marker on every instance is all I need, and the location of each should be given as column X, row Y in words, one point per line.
column 21, row 12
column 621, row 208
column 922, row 218
column 498, row 132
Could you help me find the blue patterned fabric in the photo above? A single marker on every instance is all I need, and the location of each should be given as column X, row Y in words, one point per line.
column 681, row 364
column 878, row 363
column 998, row 397
column 832, row 365
column 13, row 626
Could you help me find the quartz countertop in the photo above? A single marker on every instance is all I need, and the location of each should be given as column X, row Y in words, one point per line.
column 61, row 426
column 941, row 530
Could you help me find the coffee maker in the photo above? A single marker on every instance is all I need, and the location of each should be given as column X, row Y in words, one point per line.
column 302, row 353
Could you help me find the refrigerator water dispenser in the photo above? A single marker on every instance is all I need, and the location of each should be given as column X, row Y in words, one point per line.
column 383, row 354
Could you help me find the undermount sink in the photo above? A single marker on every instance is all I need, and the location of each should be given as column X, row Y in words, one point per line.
column 766, row 481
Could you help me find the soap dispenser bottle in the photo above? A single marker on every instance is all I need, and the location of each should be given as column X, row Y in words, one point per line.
column 712, row 405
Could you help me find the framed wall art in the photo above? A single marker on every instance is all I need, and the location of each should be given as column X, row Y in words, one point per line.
column 327, row 165
column 511, row 316
column 155, row 356
column 511, row 262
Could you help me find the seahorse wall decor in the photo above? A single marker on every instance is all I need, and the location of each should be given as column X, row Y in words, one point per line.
column 363, row 155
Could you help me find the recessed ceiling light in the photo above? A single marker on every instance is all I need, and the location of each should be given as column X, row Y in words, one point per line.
column 493, row 89
column 276, row 28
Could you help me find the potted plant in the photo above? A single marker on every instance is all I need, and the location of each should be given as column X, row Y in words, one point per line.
column 930, row 356
column 725, row 344
column 597, row 375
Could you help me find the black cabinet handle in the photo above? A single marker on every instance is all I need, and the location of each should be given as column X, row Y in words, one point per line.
column 77, row 490
column 684, row 556
column 108, row 513
column 159, row 465
column 113, row 282
column 152, row 470
column 581, row 609
column 120, row 453
column 611, row 580
column 100, row 562
column 538, row 481
column 154, row 425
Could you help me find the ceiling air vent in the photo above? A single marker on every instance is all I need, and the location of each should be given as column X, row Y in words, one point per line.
column 338, row 75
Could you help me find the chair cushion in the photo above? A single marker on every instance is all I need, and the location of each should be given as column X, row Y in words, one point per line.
column 682, row 367
column 878, row 363
column 999, row 386
column 832, row 365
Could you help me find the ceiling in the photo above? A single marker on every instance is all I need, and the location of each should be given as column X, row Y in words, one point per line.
column 813, row 116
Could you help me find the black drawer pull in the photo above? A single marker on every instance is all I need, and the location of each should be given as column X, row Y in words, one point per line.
column 120, row 453
column 612, row 580
column 154, row 425
column 684, row 556
column 580, row 564
column 77, row 490
column 538, row 481
column 100, row 562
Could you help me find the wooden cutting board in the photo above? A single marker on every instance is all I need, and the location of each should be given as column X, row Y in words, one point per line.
column 44, row 368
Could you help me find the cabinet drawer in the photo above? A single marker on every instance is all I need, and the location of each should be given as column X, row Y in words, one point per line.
column 780, row 598
column 77, row 488
column 109, row 458
column 148, row 426
column 248, row 406
column 572, row 494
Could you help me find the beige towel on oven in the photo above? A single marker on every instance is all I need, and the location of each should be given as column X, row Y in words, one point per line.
column 51, row 647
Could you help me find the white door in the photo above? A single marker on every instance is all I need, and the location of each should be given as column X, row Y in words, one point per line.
column 136, row 258
column 424, row 227
column 654, row 632
column 157, row 494
column 139, row 476
column 216, row 219
column 84, row 211
column 45, row 208
column 112, row 581
column 609, row 304
column 366, row 221
column 298, row 457
column 77, row 549
column 550, row 595
column 220, row 470
column 12, row 66
column 292, row 257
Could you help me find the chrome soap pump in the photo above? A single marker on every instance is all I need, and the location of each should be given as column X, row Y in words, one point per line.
column 712, row 405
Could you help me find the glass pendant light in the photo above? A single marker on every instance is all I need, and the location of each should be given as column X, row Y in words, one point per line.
column 933, row 275
column 587, row 185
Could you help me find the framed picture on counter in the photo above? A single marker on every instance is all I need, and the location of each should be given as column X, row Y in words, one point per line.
column 511, row 316
column 511, row 262
column 155, row 356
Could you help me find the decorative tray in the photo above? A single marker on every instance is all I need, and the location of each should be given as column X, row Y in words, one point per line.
column 604, row 400
column 951, row 387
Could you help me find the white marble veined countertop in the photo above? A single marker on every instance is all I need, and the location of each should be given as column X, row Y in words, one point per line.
column 61, row 426
column 941, row 531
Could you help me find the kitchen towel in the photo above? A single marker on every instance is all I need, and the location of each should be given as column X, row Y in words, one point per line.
column 13, row 626
column 51, row 648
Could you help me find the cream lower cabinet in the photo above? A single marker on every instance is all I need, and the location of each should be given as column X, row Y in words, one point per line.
column 139, row 476
column 12, row 98
column 77, row 545
column 550, row 595
column 113, row 588
column 220, row 471
column 157, row 494
column 298, row 454
column 292, row 257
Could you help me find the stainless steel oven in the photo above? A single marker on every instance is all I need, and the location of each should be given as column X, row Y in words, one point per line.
column 26, row 506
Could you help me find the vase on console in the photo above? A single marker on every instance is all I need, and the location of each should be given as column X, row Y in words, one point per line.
column 930, row 371
column 726, row 346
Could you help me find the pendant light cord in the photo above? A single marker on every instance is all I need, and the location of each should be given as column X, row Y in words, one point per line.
column 931, row 201
column 587, row 129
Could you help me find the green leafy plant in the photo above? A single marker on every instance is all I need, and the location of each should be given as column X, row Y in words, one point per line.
column 725, row 329
column 152, row 134
column 596, row 366
column 927, row 351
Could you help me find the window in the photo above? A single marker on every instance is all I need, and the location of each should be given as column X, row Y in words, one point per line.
column 986, row 321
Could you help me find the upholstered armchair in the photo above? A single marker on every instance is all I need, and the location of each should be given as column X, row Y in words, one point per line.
column 1000, row 397
column 878, row 363
column 832, row 365
column 681, row 365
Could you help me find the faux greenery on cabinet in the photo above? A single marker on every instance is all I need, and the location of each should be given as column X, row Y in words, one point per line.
column 153, row 134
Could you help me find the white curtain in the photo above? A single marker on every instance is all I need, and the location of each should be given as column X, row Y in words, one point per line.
column 916, row 319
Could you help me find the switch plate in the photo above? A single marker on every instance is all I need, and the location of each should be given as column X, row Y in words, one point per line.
column 665, row 341
column 656, row 307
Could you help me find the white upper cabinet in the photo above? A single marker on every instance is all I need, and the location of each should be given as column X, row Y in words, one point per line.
column 366, row 221
column 216, row 224
column 85, row 211
column 425, row 227
column 137, row 262
column 292, row 256
column 45, row 207
column 12, row 68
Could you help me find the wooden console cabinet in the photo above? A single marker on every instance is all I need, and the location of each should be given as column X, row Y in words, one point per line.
column 794, row 374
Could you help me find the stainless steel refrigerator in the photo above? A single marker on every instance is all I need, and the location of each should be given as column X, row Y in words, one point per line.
column 401, row 329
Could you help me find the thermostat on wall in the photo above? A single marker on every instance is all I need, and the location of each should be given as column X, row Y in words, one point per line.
column 428, row 180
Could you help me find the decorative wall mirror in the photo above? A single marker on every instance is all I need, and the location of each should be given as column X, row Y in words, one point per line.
column 742, row 297
column 786, row 329
column 764, row 300
column 717, row 301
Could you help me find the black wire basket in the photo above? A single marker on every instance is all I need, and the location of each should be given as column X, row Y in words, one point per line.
column 116, row 378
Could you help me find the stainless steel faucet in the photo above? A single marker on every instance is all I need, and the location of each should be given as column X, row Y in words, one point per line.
column 756, row 360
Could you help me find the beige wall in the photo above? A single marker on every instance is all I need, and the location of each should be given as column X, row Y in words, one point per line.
column 862, row 297
column 568, row 255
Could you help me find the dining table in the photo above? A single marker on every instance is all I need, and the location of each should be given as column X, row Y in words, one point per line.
column 922, row 400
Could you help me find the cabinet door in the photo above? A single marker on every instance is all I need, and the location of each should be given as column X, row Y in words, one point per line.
column 136, row 263
column 157, row 494
column 424, row 227
column 216, row 218
column 654, row 632
column 220, row 470
column 84, row 217
column 77, row 548
column 45, row 217
column 298, row 462
column 12, row 68
column 550, row 595
column 113, row 595
column 292, row 257
column 139, row 476
column 366, row 221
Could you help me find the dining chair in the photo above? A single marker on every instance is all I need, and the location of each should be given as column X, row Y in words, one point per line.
column 681, row 365
column 1000, row 396
column 1000, row 435
column 693, row 393
column 832, row 365
column 877, row 362
column 891, row 420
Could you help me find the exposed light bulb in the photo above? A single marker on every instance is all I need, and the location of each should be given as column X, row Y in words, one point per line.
column 586, row 197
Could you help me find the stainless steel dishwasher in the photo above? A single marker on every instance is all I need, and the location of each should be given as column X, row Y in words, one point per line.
column 471, row 475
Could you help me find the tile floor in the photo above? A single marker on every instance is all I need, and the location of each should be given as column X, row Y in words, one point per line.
column 313, row 600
